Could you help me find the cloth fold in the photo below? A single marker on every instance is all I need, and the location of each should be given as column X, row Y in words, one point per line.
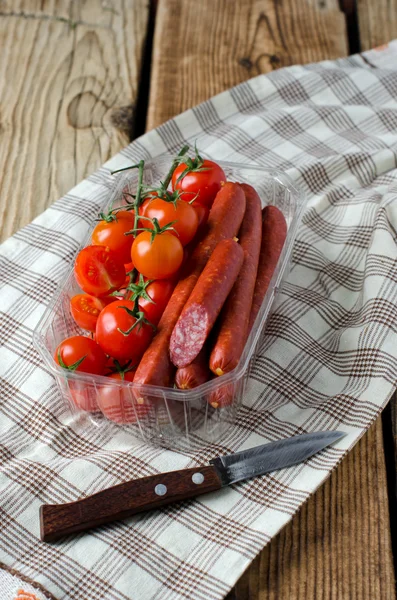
column 329, row 360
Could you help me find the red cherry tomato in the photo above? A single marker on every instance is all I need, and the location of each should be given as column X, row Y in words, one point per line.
column 128, row 268
column 119, row 295
column 80, row 353
column 115, row 335
column 98, row 271
column 112, row 234
column 117, row 402
column 160, row 291
column 182, row 214
column 84, row 396
column 130, row 265
column 112, row 366
column 85, row 310
column 159, row 259
column 202, row 184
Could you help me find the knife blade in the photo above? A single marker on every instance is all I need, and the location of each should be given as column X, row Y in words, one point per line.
column 271, row 457
column 126, row 499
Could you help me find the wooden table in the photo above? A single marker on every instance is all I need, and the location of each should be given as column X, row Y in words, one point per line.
column 81, row 79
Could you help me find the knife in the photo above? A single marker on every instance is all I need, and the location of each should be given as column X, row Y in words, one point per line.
column 126, row 499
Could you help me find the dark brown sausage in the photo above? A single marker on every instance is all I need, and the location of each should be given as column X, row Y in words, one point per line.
column 195, row 374
column 224, row 222
column 205, row 302
column 235, row 315
column 274, row 232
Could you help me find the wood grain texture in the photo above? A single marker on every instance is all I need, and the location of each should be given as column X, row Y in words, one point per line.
column 338, row 546
column 377, row 22
column 68, row 76
column 124, row 500
column 202, row 48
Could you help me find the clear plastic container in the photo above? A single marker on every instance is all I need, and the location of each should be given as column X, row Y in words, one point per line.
column 175, row 418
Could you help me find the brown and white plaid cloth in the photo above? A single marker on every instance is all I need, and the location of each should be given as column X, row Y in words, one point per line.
column 329, row 361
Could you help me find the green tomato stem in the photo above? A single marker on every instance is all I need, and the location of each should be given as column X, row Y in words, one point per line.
column 138, row 196
column 174, row 165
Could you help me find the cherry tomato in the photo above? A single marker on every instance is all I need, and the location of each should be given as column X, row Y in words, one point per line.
column 84, row 396
column 115, row 335
column 182, row 214
column 118, row 295
column 81, row 353
column 129, row 266
column 117, row 403
column 159, row 259
column 112, row 234
column 160, row 291
column 202, row 184
column 85, row 310
column 98, row 271
column 112, row 366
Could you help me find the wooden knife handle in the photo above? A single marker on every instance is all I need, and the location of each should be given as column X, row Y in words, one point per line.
column 124, row 500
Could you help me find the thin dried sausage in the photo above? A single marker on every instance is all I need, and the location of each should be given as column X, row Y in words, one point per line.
column 195, row 374
column 222, row 397
column 235, row 315
column 274, row 232
column 205, row 302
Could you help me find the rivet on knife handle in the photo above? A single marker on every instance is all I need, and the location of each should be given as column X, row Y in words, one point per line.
column 126, row 499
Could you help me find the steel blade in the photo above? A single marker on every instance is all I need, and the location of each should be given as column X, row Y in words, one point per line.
column 273, row 456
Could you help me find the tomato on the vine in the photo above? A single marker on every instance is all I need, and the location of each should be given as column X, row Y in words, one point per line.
column 85, row 310
column 121, row 334
column 98, row 270
column 198, row 178
column 157, row 258
column 153, row 296
column 112, row 231
column 116, row 401
column 130, row 265
column 81, row 353
column 181, row 214
column 160, row 292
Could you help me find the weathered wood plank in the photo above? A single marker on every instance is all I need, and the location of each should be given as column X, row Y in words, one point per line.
column 338, row 546
column 217, row 44
column 377, row 22
column 67, row 68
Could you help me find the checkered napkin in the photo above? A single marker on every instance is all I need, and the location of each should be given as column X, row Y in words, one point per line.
column 329, row 360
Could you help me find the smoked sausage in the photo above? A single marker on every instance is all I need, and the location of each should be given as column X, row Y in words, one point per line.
column 224, row 221
column 205, row 302
column 274, row 232
column 235, row 315
column 195, row 374
column 222, row 397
